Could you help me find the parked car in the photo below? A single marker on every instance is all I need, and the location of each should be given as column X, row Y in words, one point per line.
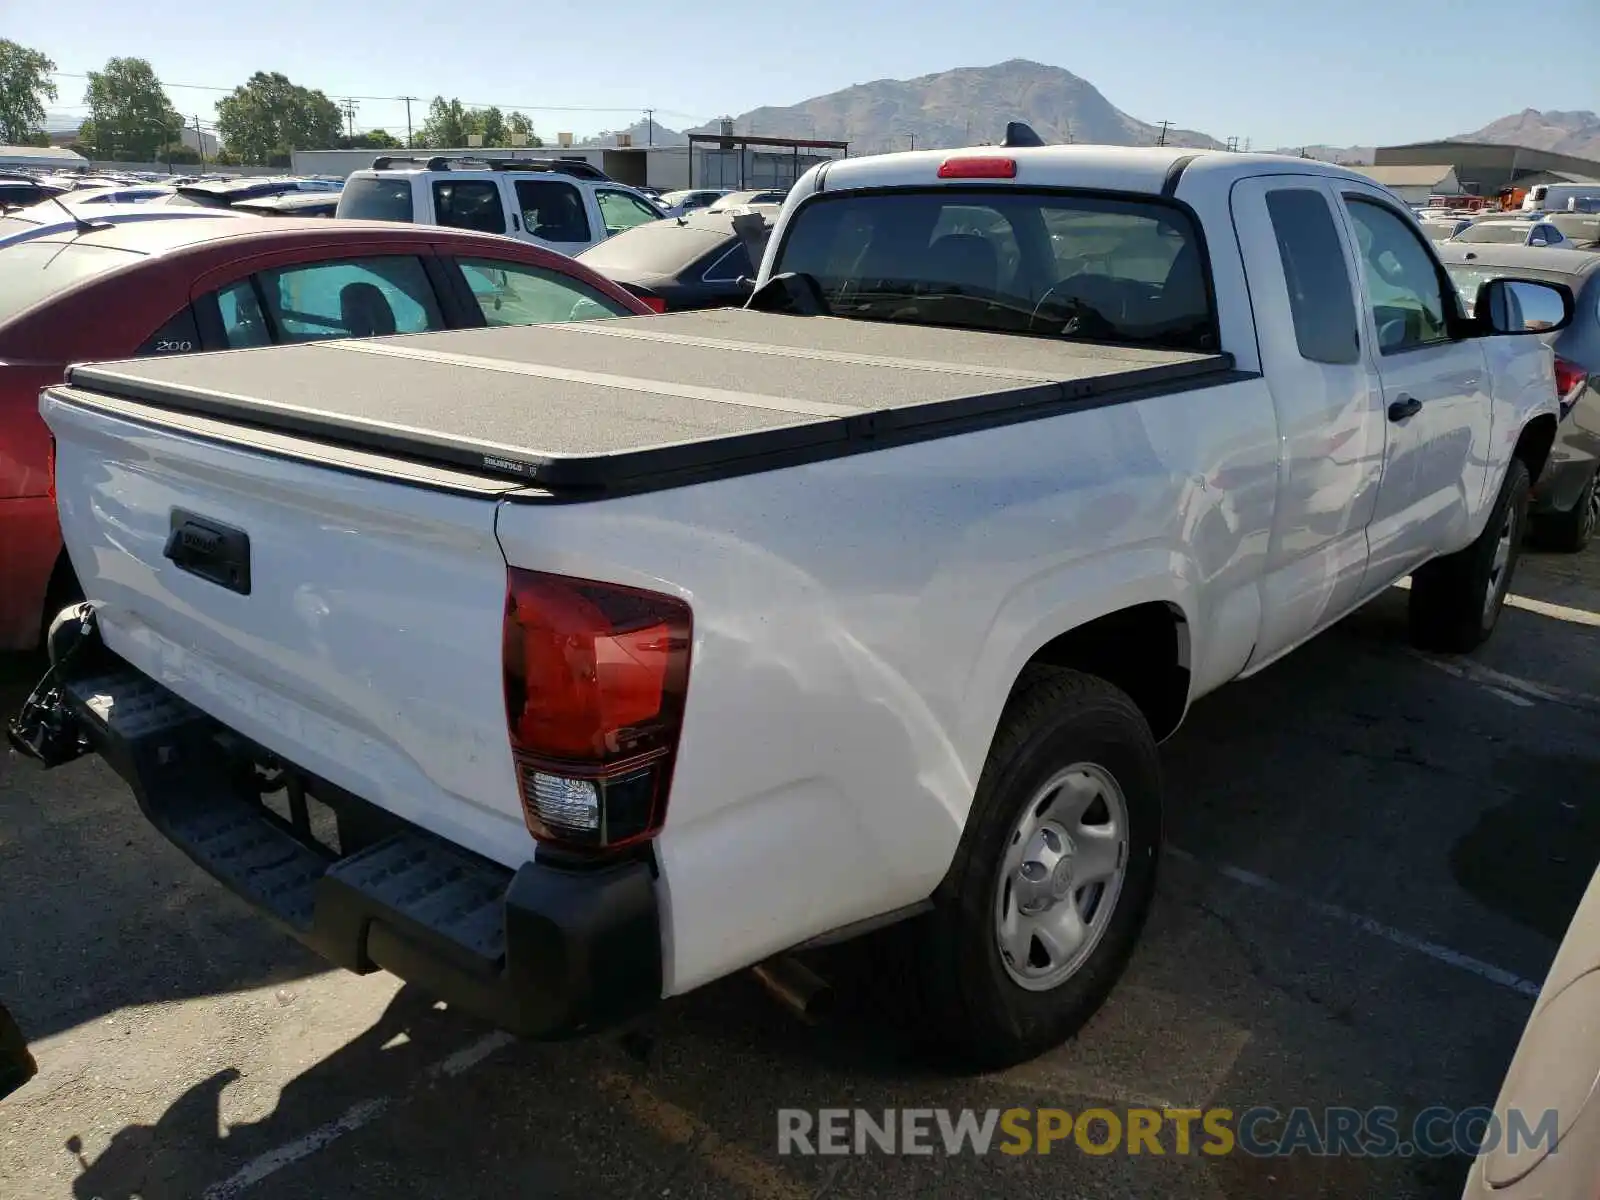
column 23, row 191
column 221, row 281
column 123, row 193
column 1582, row 230
column 54, row 220
column 688, row 200
column 746, row 199
column 697, row 261
column 1442, row 229
column 1566, row 501
column 291, row 204
column 1511, row 232
column 560, row 204
column 224, row 193
column 1549, row 1089
column 631, row 654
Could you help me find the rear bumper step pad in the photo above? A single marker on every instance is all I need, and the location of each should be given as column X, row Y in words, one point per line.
column 545, row 950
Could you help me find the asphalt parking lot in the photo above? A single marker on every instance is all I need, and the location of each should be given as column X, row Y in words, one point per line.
column 1373, row 857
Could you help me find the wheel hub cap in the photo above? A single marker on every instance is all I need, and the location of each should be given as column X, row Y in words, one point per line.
column 1061, row 875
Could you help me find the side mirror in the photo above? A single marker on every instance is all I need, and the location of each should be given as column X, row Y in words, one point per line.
column 1523, row 306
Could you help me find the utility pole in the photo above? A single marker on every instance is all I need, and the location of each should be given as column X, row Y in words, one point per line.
column 408, row 100
column 1247, row 145
column 349, row 106
column 649, row 127
column 1233, row 144
column 1161, row 139
column 913, row 138
column 200, row 143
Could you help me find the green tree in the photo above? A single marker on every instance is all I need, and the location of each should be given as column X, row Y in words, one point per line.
column 132, row 117
column 521, row 123
column 489, row 122
column 372, row 139
column 24, row 87
column 445, row 128
column 267, row 117
column 179, row 153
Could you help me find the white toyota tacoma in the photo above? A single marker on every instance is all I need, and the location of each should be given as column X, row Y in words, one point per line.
column 631, row 653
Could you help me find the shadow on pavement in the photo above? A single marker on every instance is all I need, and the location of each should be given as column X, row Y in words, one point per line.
column 97, row 910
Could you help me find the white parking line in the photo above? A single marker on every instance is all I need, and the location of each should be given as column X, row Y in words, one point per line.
column 1500, row 682
column 357, row 1115
column 1399, row 937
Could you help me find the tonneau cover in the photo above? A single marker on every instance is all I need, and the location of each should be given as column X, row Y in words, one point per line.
column 636, row 401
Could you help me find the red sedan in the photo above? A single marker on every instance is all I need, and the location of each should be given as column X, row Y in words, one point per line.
column 172, row 287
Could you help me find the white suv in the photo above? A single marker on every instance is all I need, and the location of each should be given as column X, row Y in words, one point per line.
column 561, row 204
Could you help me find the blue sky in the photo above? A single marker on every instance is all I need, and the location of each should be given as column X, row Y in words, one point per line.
column 1360, row 71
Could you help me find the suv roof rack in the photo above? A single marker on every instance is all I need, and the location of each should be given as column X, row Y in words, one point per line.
column 576, row 167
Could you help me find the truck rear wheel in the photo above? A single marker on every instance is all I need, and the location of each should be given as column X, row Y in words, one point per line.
column 1456, row 600
column 1054, row 875
column 1571, row 531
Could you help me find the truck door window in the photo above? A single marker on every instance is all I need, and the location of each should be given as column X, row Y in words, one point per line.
column 469, row 204
column 552, row 211
column 368, row 297
column 1321, row 299
column 619, row 210
column 516, row 294
column 1404, row 291
column 1054, row 264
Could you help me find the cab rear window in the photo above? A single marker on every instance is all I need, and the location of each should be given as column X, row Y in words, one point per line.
column 368, row 199
column 1056, row 264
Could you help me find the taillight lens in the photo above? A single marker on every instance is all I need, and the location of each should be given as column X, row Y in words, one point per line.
column 654, row 303
column 596, row 675
column 1568, row 376
column 978, row 167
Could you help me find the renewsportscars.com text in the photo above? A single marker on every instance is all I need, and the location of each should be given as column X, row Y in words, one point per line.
column 1260, row 1132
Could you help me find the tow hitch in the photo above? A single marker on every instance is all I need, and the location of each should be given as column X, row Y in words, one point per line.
column 44, row 728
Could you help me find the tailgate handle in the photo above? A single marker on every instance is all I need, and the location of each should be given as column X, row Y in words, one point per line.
column 219, row 554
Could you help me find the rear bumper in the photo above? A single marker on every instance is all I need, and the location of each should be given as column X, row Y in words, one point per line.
column 545, row 951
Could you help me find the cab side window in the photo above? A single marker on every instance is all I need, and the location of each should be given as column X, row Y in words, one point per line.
column 1404, row 292
column 243, row 324
column 1321, row 299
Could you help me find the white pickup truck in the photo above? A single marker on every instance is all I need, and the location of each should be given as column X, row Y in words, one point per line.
column 631, row 653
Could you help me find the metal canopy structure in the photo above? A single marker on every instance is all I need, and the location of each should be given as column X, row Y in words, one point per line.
column 744, row 142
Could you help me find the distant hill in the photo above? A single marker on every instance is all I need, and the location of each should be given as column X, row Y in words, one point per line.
column 1354, row 156
column 642, row 134
column 961, row 107
column 1575, row 133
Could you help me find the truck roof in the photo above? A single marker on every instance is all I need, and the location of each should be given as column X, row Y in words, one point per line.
column 1149, row 169
column 640, row 402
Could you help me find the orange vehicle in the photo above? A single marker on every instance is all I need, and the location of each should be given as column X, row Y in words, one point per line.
column 1511, row 198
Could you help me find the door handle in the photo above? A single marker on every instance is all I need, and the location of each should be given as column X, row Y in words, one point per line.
column 1404, row 408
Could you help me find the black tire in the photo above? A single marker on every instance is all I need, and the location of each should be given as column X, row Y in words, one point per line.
column 1571, row 531
column 976, row 1012
column 1456, row 600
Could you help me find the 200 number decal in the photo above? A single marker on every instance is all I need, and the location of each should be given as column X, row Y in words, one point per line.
column 173, row 346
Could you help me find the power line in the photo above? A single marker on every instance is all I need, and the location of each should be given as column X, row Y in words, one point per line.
column 594, row 108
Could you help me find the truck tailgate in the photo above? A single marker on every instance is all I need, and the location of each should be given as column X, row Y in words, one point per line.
column 347, row 623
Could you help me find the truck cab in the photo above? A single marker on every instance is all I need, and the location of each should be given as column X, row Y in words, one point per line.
column 560, row 204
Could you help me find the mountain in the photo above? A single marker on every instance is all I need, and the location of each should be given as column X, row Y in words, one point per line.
column 961, row 107
column 1348, row 155
column 643, row 134
column 1576, row 133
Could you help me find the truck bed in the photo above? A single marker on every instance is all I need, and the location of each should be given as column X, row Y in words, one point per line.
column 639, row 402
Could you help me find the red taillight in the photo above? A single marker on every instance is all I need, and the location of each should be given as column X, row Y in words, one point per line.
column 654, row 303
column 595, row 679
column 988, row 167
column 1568, row 376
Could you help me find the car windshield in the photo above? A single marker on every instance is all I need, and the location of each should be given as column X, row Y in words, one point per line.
column 35, row 270
column 369, row 199
column 1508, row 234
column 1048, row 263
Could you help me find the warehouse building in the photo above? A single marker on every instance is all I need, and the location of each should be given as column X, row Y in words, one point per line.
column 40, row 158
column 1414, row 184
column 1483, row 168
column 710, row 160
